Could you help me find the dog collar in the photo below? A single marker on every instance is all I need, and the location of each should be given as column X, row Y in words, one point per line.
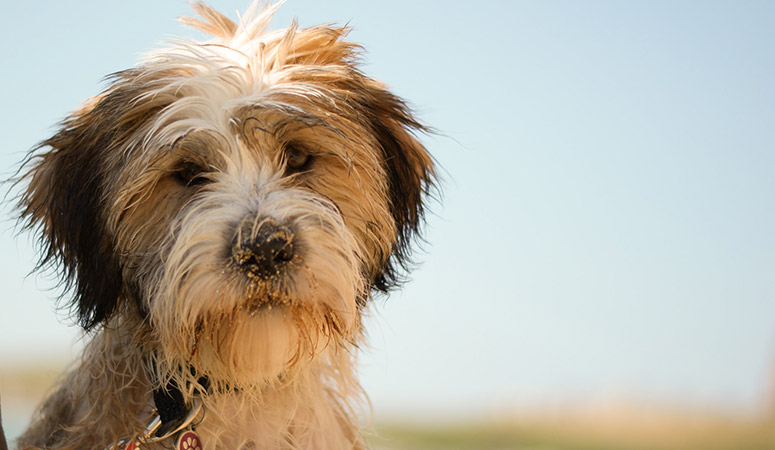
column 187, row 438
column 171, row 406
column 172, row 417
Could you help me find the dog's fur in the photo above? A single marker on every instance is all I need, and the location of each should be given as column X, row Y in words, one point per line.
column 151, row 200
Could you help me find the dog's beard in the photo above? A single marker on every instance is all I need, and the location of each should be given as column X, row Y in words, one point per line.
column 243, row 330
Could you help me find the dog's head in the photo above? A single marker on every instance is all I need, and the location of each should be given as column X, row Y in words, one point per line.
column 242, row 197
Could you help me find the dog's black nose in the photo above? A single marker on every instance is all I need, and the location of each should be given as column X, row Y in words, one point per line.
column 262, row 247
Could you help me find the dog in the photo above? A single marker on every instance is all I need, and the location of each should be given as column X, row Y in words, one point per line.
column 220, row 217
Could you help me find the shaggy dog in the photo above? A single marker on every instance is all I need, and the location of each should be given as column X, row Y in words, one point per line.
column 221, row 215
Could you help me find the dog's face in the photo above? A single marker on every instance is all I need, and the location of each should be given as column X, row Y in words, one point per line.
column 239, row 200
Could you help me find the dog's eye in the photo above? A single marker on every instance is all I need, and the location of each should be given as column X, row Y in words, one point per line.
column 297, row 159
column 190, row 173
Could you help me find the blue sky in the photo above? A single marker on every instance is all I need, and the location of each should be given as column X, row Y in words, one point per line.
column 606, row 228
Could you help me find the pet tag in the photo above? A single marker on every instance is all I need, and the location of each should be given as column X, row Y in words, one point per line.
column 188, row 440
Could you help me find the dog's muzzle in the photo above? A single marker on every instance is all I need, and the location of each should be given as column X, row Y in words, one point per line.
column 262, row 247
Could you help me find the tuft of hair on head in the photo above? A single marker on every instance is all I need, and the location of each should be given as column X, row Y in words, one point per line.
column 253, row 23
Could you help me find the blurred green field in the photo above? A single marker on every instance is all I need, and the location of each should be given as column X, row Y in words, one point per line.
column 670, row 432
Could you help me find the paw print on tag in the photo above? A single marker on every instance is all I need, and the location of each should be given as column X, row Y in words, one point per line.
column 188, row 440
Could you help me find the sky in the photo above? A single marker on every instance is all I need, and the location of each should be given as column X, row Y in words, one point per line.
column 605, row 229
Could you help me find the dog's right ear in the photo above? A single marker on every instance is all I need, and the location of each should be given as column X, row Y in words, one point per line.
column 64, row 201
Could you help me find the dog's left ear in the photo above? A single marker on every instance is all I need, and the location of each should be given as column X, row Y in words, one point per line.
column 411, row 177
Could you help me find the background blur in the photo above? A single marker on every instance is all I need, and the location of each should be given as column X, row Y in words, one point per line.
column 600, row 272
